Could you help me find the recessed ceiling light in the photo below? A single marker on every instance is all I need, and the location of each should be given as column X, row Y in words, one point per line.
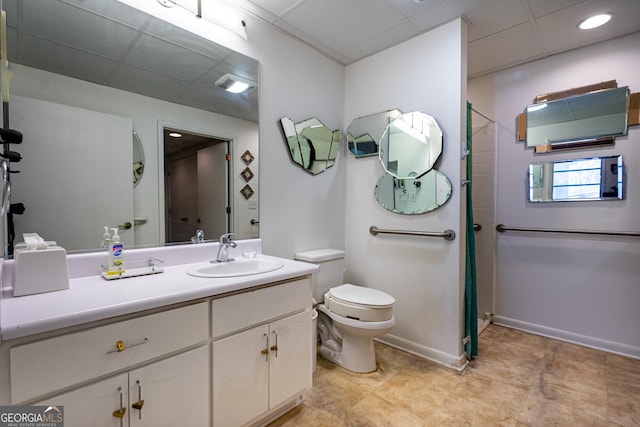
column 235, row 84
column 175, row 135
column 595, row 21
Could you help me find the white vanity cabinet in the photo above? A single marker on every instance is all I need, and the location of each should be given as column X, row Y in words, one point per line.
column 172, row 392
column 261, row 352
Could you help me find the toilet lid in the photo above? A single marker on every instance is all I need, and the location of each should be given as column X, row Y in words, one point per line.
column 362, row 296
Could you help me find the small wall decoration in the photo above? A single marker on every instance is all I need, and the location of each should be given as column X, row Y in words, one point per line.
column 246, row 191
column 246, row 174
column 247, row 157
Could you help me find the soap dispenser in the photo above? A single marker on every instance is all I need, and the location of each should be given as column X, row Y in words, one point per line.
column 106, row 239
column 116, row 253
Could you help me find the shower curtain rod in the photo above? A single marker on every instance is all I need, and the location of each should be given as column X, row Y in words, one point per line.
column 446, row 234
column 486, row 117
column 502, row 228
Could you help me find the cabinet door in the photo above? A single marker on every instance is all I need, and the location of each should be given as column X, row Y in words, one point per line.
column 240, row 377
column 94, row 404
column 171, row 392
column 291, row 365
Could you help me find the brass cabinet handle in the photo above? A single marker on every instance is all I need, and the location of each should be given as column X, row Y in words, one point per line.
column 121, row 347
column 275, row 347
column 127, row 225
column 140, row 403
column 265, row 350
column 119, row 413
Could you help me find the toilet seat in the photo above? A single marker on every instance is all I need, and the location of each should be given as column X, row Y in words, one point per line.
column 359, row 303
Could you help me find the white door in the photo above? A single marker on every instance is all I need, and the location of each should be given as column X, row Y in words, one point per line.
column 172, row 392
column 213, row 190
column 95, row 404
column 82, row 154
column 182, row 199
column 240, row 377
column 290, row 365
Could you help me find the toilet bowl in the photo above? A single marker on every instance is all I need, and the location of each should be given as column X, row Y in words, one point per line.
column 349, row 316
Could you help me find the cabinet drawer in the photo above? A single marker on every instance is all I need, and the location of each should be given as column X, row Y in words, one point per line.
column 48, row 365
column 243, row 310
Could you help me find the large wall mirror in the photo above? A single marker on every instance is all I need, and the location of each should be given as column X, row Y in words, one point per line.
column 596, row 178
column 590, row 116
column 84, row 76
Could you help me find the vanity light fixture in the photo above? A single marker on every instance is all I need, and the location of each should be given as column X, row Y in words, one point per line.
column 235, row 84
column 595, row 21
column 223, row 15
column 175, row 135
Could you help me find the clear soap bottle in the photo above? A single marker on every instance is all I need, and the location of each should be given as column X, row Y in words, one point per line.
column 106, row 239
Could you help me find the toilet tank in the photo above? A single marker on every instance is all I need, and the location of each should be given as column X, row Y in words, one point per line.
column 331, row 272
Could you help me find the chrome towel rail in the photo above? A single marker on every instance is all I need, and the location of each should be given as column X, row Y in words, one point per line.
column 502, row 228
column 446, row 234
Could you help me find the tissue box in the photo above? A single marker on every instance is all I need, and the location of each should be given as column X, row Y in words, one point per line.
column 39, row 270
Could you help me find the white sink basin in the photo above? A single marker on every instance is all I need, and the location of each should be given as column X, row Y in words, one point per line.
column 237, row 267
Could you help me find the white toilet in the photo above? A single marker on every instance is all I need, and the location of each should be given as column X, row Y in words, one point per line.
column 349, row 316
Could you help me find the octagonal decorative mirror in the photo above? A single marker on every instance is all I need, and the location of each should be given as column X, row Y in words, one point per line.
column 410, row 145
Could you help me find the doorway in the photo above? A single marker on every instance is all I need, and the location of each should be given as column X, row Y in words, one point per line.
column 197, row 185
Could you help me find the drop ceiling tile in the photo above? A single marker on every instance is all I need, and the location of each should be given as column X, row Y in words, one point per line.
column 55, row 21
column 186, row 39
column 255, row 10
column 60, row 59
column 381, row 41
column 501, row 50
column 277, row 7
column 409, row 8
column 184, row 65
column 145, row 83
column 558, row 31
column 545, row 7
column 114, row 10
column 485, row 21
column 340, row 24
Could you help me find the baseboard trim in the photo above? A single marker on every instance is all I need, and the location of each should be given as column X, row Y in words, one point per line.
column 452, row 362
column 584, row 340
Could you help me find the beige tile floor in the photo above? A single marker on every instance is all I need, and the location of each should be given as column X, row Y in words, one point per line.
column 519, row 379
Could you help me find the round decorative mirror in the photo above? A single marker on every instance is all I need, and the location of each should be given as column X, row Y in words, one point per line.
column 413, row 196
column 138, row 159
column 410, row 145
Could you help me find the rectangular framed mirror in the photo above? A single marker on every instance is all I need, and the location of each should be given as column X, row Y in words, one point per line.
column 587, row 117
column 596, row 178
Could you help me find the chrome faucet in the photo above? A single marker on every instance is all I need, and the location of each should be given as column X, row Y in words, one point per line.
column 223, row 250
column 199, row 237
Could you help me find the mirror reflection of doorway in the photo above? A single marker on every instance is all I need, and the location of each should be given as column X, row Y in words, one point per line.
column 197, row 176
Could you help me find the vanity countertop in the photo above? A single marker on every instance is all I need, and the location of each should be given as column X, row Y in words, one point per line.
column 92, row 298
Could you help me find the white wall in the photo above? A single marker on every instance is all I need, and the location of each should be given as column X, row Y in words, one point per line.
column 578, row 288
column 425, row 275
column 298, row 211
